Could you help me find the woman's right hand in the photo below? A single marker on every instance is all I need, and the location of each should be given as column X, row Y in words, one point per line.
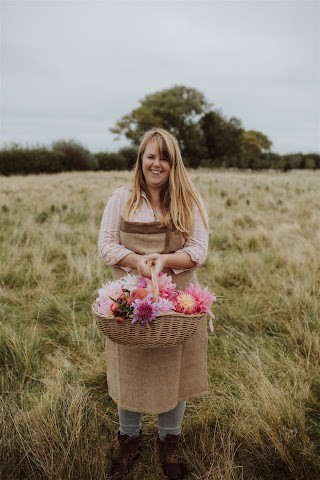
column 142, row 267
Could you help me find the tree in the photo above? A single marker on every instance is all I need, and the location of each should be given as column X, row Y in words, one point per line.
column 130, row 156
column 78, row 157
column 222, row 137
column 178, row 110
column 255, row 150
column 255, row 142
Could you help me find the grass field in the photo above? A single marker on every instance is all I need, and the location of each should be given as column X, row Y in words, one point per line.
column 261, row 419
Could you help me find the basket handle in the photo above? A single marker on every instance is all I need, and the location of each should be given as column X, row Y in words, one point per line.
column 155, row 286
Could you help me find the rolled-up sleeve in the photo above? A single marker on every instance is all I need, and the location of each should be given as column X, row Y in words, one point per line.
column 196, row 246
column 110, row 249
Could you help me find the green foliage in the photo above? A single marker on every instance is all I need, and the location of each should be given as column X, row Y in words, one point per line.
column 124, row 159
column 309, row 161
column 111, row 161
column 270, row 160
column 176, row 109
column 78, row 157
column 254, row 142
column 19, row 160
column 130, row 155
column 222, row 137
column 63, row 156
column 206, row 137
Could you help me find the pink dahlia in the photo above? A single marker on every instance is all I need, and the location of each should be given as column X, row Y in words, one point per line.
column 203, row 298
column 144, row 311
column 185, row 303
column 165, row 306
column 166, row 286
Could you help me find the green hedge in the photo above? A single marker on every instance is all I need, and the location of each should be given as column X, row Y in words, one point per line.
column 63, row 156
column 79, row 158
column 69, row 155
column 124, row 159
column 266, row 160
column 36, row 160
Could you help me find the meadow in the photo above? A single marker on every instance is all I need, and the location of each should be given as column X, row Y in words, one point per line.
column 261, row 419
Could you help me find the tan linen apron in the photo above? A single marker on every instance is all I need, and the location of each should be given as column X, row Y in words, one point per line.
column 154, row 380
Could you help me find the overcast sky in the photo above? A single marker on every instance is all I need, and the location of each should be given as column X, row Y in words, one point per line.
column 70, row 69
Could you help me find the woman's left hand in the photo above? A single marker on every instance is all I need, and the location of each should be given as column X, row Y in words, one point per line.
column 157, row 261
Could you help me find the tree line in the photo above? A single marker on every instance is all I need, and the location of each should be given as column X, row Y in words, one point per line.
column 63, row 156
column 207, row 138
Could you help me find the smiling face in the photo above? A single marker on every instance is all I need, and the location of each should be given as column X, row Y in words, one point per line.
column 155, row 168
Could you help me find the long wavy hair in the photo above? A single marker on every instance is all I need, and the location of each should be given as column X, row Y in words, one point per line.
column 178, row 196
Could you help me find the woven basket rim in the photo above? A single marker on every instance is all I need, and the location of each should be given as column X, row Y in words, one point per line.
column 176, row 314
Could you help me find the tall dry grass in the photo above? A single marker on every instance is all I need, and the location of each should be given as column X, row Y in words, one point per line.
column 261, row 419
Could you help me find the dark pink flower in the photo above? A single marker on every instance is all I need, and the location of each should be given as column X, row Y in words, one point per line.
column 144, row 311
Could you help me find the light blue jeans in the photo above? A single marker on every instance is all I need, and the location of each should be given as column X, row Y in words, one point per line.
column 168, row 422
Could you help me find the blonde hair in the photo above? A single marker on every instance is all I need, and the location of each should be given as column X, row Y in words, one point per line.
column 178, row 192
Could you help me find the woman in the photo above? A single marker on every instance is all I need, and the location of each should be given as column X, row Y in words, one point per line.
column 158, row 221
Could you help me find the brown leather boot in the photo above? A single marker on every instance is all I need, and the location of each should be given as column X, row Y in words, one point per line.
column 124, row 456
column 172, row 464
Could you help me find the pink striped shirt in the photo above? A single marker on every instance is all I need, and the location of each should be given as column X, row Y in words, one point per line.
column 110, row 249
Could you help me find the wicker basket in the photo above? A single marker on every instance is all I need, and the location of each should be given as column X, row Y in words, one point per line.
column 167, row 330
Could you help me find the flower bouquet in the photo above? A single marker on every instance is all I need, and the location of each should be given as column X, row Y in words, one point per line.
column 150, row 313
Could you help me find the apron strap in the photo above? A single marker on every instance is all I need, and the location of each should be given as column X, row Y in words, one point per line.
column 170, row 229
